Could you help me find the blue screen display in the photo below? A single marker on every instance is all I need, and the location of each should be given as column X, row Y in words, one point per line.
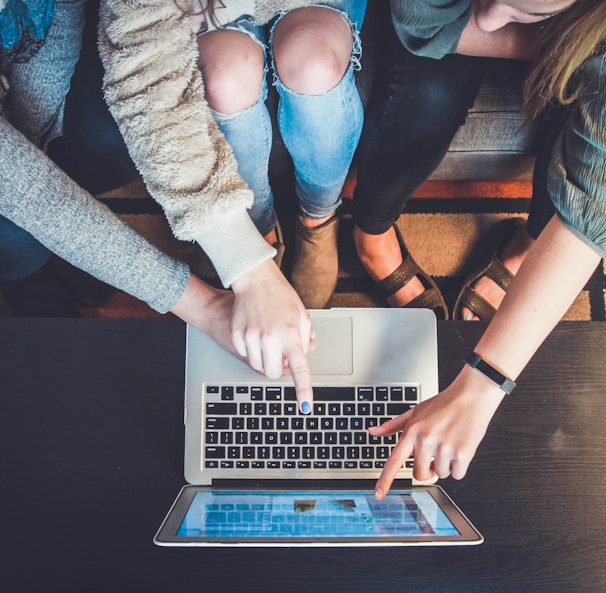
column 227, row 514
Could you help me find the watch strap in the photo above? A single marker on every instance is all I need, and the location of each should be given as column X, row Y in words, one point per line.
column 475, row 361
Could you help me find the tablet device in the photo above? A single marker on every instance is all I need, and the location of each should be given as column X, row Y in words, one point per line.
column 415, row 515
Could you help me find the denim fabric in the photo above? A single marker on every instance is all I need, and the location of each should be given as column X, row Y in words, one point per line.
column 35, row 101
column 20, row 254
column 320, row 132
column 409, row 128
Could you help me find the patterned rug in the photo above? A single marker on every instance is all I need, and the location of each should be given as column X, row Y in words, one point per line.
column 445, row 226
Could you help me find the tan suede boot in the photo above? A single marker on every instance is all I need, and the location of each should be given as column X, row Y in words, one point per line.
column 279, row 246
column 315, row 265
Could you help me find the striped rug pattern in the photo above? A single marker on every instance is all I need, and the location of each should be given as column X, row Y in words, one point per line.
column 444, row 226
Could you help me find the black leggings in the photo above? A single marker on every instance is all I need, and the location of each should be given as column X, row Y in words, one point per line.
column 410, row 126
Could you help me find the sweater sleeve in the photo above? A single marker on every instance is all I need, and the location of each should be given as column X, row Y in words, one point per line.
column 577, row 175
column 430, row 28
column 155, row 93
column 40, row 198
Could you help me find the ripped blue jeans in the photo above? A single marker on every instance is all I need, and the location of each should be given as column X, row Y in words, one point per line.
column 320, row 132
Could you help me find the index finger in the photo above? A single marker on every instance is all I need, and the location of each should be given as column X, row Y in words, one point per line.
column 301, row 376
column 401, row 452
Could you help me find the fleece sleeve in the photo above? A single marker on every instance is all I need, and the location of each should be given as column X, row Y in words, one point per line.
column 155, row 93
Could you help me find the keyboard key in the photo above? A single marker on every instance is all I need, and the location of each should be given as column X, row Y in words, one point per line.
column 260, row 409
column 312, row 423
column 278, row 452
column 378, row 409
column 397, row 409
column 217, row 423
column 221, row 408
column 273, row 393
column 214, row 452
column 411, row 394
column 382, row 394
column 327, row 423
column 366, row 394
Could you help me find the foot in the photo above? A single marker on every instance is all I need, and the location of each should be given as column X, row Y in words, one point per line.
column 512, row 257
column 380, row 255
column 315, row 265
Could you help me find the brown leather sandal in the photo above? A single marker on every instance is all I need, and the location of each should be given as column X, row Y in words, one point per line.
column 493, row 269
column 430, row 299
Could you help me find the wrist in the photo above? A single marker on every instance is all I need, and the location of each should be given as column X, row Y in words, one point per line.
column 500, row 379
column 255, row 276
column 479, row 387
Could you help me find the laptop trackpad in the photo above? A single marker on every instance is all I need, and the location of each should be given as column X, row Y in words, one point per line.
column 333, row 354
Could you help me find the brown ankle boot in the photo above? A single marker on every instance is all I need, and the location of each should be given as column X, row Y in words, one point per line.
column 315, row 263
column 279, row 245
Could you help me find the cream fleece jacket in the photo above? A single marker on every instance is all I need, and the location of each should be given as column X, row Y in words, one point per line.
column 155, row 92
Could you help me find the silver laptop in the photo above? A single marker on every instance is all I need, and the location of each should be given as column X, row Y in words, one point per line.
column 262, row 473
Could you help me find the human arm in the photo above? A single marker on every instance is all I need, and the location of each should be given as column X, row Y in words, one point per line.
column 155, row 92
column 39, row 197
column 445, row 431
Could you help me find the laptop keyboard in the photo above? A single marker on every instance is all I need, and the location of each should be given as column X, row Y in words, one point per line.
column 260, row 427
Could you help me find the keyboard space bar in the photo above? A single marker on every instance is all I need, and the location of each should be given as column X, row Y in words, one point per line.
column 325, row 394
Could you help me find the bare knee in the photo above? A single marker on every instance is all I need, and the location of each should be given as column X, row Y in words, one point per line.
column 312, row 49
column 232, row 66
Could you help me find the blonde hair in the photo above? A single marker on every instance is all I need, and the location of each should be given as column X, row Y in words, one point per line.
column 566, row 42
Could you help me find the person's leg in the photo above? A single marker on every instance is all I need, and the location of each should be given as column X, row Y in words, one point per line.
column 20, row 254
column 35, row 104
column 232, row 63
column 407, row 132
column 320, row 117
column 91, row 150
column 541, row 212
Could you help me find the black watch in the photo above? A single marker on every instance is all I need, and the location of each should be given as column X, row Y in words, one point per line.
column 475, row 361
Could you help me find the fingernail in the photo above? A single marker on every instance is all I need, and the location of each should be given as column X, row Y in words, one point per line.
column 305, row 408
column 378, row 493
column 468, row 316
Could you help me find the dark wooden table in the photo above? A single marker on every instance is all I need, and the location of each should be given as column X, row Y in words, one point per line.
column 91, row 443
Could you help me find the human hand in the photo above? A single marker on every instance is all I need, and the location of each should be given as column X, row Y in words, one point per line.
column 443, row 432
column 272, row 329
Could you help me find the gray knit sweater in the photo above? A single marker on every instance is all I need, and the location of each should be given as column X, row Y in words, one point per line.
column 155, row 92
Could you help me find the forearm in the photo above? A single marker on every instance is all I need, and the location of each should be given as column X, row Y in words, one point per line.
column 514, row 41
column 40, row 198
column 552, row 275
